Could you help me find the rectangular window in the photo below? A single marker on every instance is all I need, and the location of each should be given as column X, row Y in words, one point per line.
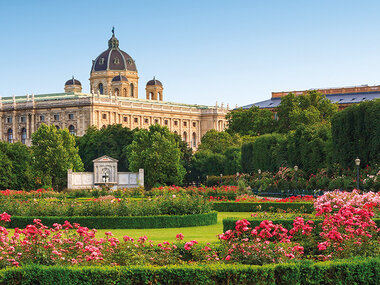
column 136, row 120
column 166, row 122
column 184, row 124
column 42, row 118
column 125, row 119
column 56, row 117
column 71, row 116
column 175, row 123
column 104, row 116
column 194, row 124
column 156, row 121
column 9, row 120
column 22, row 119
column 146, row 121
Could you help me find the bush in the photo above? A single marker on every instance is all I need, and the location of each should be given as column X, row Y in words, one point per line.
column 107, row 206
column 352, row 271
column 148, row 222
column 229, row 223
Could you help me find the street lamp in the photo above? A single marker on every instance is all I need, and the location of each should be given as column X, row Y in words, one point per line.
column 357, row 162
column 296, row 171
column 221, row 175
column 259, row 172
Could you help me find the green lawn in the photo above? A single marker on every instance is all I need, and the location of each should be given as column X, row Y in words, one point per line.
column 201, row 234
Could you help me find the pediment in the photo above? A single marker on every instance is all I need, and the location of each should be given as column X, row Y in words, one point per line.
column 105, row 158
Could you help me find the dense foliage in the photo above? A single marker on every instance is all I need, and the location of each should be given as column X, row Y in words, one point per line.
column 356, row 133
column 156, row 151
column 16, row 167
column 54, row 152
column 110, row 141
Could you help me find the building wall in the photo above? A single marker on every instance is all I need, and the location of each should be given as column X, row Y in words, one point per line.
column 84, row 110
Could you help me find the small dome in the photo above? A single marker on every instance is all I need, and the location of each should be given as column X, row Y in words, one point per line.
column 73, row 81
column 119, row 78
column 154, row 81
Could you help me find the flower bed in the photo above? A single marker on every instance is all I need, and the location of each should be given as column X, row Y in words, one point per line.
column 300, row 207
column 107, row 206
column 227, row 192
column 345, row 232
column 358, row 271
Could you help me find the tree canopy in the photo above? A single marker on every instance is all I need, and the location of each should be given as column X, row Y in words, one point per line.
column 253, row 121
column 307, row 109
column 158, row 153
column 54, row 153
column 109, row 141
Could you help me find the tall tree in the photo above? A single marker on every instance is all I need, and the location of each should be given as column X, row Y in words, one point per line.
column 109, row 141
column 253, row 121
column 54, row 153
column 308, row 109
column 218, row 141
column 158, row 153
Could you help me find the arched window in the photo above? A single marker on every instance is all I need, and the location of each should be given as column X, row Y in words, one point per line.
column 125, row 92
column 185, row 136
column 194, row 139
column 132, row 89
column 72, row 130
column 116, row 91
column 100, row 88
column 159, row 96
column 176, row 132
column 151, row 95
column 23, row 136
column 10, row 135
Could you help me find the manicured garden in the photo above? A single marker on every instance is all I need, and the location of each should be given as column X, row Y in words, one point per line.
column 274, row 247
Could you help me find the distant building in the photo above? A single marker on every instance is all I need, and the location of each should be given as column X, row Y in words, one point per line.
column 344, row 96
column 113, row 100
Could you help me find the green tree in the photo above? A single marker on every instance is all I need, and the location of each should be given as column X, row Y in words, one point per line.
column 218, row 142
column 205, row 162
column 54, row 153
column 309, row 147
column 232, row 160
column 253, row 121
column 109, row 141
column 356, row 133
column 307, row 109
column 16, row 166
column 158, row 153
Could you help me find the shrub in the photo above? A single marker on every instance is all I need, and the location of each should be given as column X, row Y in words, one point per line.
column 142, row 222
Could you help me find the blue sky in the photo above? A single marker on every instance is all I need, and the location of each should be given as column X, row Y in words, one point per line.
column 235, row 52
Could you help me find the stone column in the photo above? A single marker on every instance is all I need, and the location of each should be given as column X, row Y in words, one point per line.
column 69, row 179
column 141, row 177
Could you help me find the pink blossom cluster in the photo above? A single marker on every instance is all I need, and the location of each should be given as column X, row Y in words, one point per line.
column 338, row 199
column 69, row 244
column 265, row 243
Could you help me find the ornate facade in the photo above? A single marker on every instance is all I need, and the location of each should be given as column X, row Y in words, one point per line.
column 113, row 100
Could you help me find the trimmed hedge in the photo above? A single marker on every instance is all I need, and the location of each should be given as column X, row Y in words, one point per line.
column 262, row 207
column 354, row 271
column 143, row 222
column 230, row 223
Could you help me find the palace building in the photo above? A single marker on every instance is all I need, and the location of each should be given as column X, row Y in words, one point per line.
column 114, row 99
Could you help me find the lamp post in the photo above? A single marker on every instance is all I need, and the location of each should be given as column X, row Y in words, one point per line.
column 295, row 174
column 221, row 175
column 357, row 162
column 259, row 172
